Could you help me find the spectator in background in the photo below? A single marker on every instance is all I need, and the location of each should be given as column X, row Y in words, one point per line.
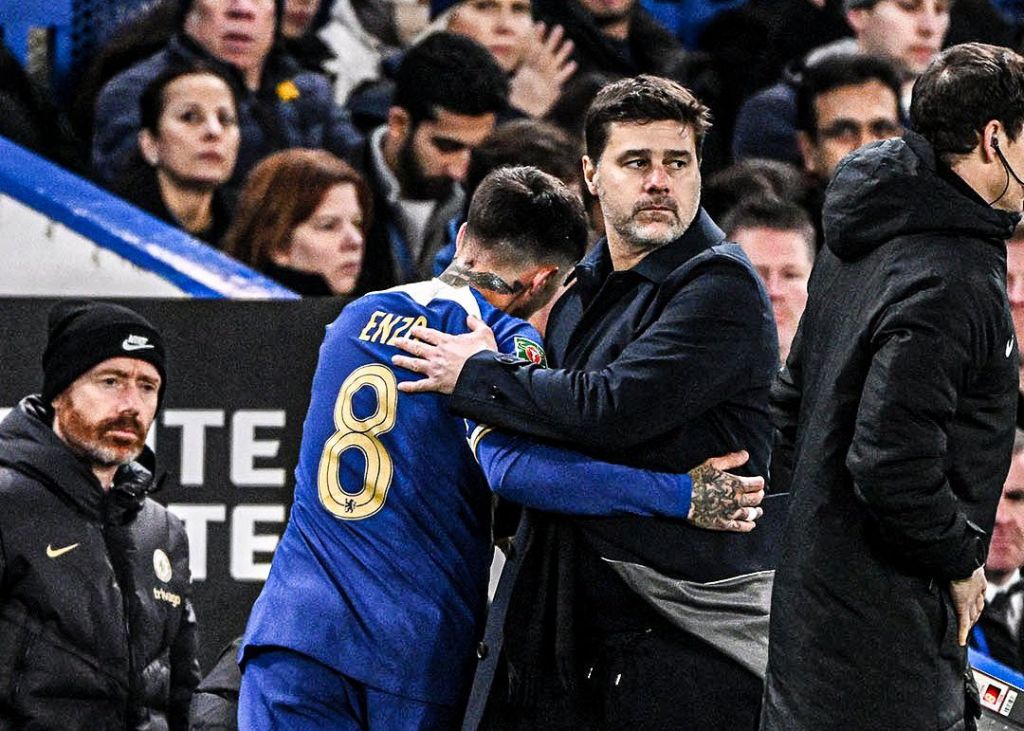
column 528, row 142
column 536, row 60
column 908, row 33
column 998, row 632
column 521, row 142
column 571, row 108
column 186, row 151
column 142, row 34
column 843, row 103
column 779, row 240
column 299, row 34
column 302, row 220
column 297, row 18
column 362, row 35
column 619, row 38
column 280, row 106
column 751, row 178
column 30, row 119
column 449, row 91
column 97, row 629
column 615, row 36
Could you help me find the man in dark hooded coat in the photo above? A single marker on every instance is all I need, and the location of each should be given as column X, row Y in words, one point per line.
column 896, row 414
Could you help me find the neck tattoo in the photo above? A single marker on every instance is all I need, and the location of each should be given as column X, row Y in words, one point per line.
column 458, row 275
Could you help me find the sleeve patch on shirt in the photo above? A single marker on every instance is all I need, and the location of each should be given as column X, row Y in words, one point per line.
column 479, row 433
column 529, row 350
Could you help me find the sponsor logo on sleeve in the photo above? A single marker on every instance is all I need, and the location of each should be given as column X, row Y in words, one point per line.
column 529, row 350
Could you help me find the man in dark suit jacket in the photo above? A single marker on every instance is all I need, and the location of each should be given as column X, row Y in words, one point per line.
column 662, row 353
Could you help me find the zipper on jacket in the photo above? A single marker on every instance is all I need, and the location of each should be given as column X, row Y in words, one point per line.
column 120, row 578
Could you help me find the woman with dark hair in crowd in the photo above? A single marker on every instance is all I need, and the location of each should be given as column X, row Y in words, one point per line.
column 302, row 219
column 186, row 151
column 280, row 106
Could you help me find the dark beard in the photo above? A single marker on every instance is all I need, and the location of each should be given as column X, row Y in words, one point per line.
column 415, row 185
column 606, row 19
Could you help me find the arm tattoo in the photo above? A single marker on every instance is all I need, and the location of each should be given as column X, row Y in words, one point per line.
column 714, row 496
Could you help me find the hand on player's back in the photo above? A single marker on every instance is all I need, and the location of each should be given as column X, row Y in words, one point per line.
column 439, row 356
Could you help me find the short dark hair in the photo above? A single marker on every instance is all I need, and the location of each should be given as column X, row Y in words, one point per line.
column 966, row 87
column 450, row 72
column 751, row 178
column 152, row 100
column 640, row 100
column 525, row 142
column 521, row 214
column 772, row 213
column 834, row 72
column 570, row 110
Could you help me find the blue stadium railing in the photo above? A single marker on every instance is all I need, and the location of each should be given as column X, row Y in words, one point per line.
column 109, row 222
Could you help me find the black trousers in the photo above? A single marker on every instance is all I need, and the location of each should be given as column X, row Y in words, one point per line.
column 656, row 678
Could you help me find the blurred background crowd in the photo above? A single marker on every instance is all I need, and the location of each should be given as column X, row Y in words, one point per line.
column 333, row 144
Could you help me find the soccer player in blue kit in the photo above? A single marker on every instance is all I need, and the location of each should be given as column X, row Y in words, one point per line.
column 377, row 591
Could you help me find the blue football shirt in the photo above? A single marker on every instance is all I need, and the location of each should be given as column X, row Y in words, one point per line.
column 382, row 570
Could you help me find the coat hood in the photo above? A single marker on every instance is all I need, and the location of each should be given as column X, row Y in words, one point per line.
column 898, row 188
column 29, row 445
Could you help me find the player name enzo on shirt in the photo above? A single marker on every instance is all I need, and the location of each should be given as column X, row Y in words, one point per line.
column 386, row 327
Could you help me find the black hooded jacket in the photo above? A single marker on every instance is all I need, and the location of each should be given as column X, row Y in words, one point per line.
column 97, row 630
column 896, row 418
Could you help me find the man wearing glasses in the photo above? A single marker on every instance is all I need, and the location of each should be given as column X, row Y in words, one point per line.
column 845, row 102
column 907, row 33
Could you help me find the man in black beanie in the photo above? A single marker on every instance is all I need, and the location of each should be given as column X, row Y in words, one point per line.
column 96, row 624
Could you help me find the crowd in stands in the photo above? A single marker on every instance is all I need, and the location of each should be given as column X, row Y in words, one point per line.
column 186, row 105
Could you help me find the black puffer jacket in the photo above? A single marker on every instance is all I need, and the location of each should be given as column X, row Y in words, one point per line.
column 97, row 630
column 215, row 702
column 896, row 414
